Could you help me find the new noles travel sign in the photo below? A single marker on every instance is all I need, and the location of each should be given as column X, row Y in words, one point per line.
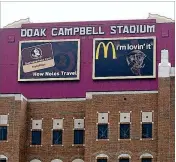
column 49, row 60
column 124, row 58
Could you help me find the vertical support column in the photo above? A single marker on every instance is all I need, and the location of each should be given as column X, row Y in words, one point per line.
column 172, row 111
column 19, row 118
column 90, row 132
column 164, row 139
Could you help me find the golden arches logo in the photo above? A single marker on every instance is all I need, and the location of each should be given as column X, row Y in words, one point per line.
column 105, row 48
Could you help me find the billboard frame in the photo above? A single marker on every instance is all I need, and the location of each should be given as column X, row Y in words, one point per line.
column 125, row 77
column 50, row 79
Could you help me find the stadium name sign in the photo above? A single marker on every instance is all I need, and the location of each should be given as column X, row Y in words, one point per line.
column 88, row 30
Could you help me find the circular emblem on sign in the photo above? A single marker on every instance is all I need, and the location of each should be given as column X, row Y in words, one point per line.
column 65, row 61
column 36, row 53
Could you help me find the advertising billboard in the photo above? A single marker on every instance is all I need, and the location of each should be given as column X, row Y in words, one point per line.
column 45, row 60
column 124, row 58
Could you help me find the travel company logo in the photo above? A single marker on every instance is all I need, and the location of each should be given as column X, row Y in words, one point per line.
column 36, row 53
column 37, row 57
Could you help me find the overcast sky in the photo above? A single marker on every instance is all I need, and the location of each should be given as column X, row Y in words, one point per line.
column 82, row 11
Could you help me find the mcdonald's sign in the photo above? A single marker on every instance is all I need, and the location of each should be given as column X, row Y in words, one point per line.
column 124, row 58
column 105, row 48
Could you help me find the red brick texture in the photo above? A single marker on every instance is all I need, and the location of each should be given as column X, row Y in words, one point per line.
column 19, row 149
column 114, row 147
column 14, row 148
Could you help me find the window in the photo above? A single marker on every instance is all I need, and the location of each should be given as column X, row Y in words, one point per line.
column 3, row 127
column 124, row 160
column 3, row 133
column 124, row 131
column 78, row 160
column 146, row 160
column 146, row 157
column 102, row 131
column 3, row 160
column 78, row 136
column 79, row 131
column 101, row 160
column 36, row 137
column 147, row 121
column 125, row 121
column 57, row 137
column 147, row 130
column 103, row 119
column 35, row 160
column 57, row 131
column 36, row 132
column 124, row 157
column 56, row 160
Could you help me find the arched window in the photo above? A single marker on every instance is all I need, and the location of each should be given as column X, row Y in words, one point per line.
column 3, row 158
column 124, row 158
column 56, row 160
column 78, row 160
column 102, row 158
column 146, row 157
column 35, row 160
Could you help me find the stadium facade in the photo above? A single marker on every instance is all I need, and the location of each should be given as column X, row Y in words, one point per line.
column 99, row 91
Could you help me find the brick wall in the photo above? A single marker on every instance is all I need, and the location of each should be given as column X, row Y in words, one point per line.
column 14, row 147
column 114, row 147
column 18, row 148
column 47, row 111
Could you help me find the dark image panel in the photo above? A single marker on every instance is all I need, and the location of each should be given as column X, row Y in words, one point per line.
column 49, row 60
column 124, row 58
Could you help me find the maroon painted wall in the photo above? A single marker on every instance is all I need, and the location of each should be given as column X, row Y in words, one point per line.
column 165, row 38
